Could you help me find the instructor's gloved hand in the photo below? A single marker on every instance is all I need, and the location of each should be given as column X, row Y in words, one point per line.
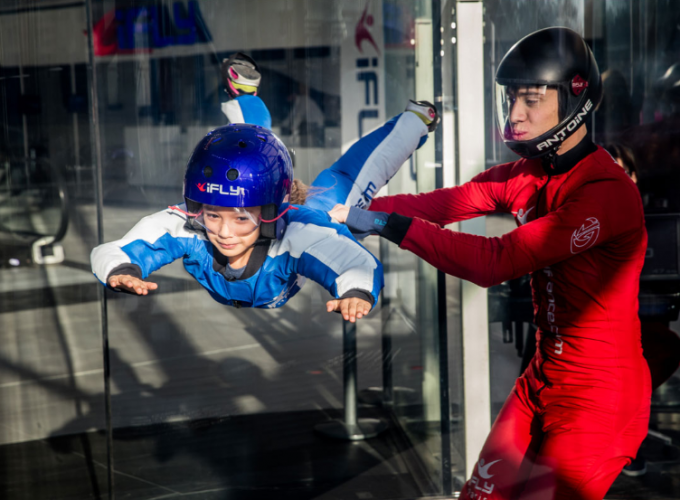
column 360, row 222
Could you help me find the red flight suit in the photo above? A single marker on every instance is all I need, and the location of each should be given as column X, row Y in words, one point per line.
column 580, row 411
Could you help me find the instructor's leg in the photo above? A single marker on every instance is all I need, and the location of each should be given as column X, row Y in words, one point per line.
column 586, row 444
column 507, row 457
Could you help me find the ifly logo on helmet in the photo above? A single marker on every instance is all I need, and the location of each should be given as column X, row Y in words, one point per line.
column 211, row 188
column 570, row 127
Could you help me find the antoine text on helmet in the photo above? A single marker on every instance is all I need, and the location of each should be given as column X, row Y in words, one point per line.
column 570, row 127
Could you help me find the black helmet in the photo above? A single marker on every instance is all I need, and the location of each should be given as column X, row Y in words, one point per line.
column 551, row 58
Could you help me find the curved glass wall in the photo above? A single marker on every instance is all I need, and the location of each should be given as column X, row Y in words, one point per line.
column 172, row 394
column 101, row 103
column 52, row 437
column 636, row 48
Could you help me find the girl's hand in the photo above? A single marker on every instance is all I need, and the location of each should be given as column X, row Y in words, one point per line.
column 339, row 213
column 351, row 309
column 127, row 283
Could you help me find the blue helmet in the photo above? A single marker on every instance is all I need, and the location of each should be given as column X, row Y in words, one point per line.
column 239, row 165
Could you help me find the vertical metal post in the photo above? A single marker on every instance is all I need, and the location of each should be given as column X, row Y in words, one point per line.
column 471, row 154
column 24, row 123
column 99, row 200
column 438, row 42
column 387, row 356
column 76, row 132
column 352, row 428
column 349, row 341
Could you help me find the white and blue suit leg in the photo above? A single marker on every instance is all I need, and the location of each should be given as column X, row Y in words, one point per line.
column 368, row 165
column 247, row 109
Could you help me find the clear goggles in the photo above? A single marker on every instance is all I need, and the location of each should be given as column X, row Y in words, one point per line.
column 229, row 221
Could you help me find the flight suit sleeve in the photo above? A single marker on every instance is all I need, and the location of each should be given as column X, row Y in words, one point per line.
column 483, row 195
column 153, row 242
column 595, row 214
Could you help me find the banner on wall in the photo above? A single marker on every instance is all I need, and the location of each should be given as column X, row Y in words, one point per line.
column 362, row 80
column 164, row 28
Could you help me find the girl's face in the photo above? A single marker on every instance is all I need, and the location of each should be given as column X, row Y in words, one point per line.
column 232, row 232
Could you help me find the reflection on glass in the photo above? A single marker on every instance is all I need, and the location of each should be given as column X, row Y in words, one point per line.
column 51, row 377
column 193, row 381
column 205, row 399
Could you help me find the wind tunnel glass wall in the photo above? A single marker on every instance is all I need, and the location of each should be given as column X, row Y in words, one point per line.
column 207, row 397
column 637, row 51
column 51, row 372
column 510, row 307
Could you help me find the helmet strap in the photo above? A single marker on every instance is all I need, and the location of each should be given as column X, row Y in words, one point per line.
column 554, row 164
column 268, row 229
column 273, row 225
column 549, row 162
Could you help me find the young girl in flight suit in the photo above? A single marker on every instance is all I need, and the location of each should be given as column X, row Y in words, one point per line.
column 241, row 239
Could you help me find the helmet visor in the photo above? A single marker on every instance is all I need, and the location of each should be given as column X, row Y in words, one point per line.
column 524, row 112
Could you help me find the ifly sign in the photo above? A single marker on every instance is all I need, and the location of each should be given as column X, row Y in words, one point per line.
column 362, row 73
column 143, row 29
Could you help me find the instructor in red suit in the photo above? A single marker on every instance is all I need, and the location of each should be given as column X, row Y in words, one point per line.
column 580, row 411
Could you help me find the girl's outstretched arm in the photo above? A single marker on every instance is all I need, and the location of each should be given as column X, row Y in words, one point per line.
column 153, row 242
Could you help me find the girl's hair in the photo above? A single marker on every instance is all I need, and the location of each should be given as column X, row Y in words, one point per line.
column 626, row 155
column 300, row 191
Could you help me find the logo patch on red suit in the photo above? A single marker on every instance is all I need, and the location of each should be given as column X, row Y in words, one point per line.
column 585, row 236
column 578, row 85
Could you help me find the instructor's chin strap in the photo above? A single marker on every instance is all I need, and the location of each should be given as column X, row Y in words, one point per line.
column 549, row 163
column 289, row 207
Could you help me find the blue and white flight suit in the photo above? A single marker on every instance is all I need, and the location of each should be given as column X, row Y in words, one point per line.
column 363, row 170
column 247, row 109
column 312, row 247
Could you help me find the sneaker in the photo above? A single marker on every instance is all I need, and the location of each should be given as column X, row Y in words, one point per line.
column 426, row 111
column 637, row 467
column 240, row 75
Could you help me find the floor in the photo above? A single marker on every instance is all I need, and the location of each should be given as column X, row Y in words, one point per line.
column 662, row 480
column 239, row 458
column 187, row 376
column 257, row 456
column 210, row 402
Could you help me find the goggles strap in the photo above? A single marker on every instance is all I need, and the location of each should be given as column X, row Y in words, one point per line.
column 290, row 207
column 188, row 214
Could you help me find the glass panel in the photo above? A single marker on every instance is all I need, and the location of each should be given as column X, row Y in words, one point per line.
column 636, row 48
column 510, row 307
column 51, row 365
column 416, row 334
column 214, row 400
column 638, row 124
